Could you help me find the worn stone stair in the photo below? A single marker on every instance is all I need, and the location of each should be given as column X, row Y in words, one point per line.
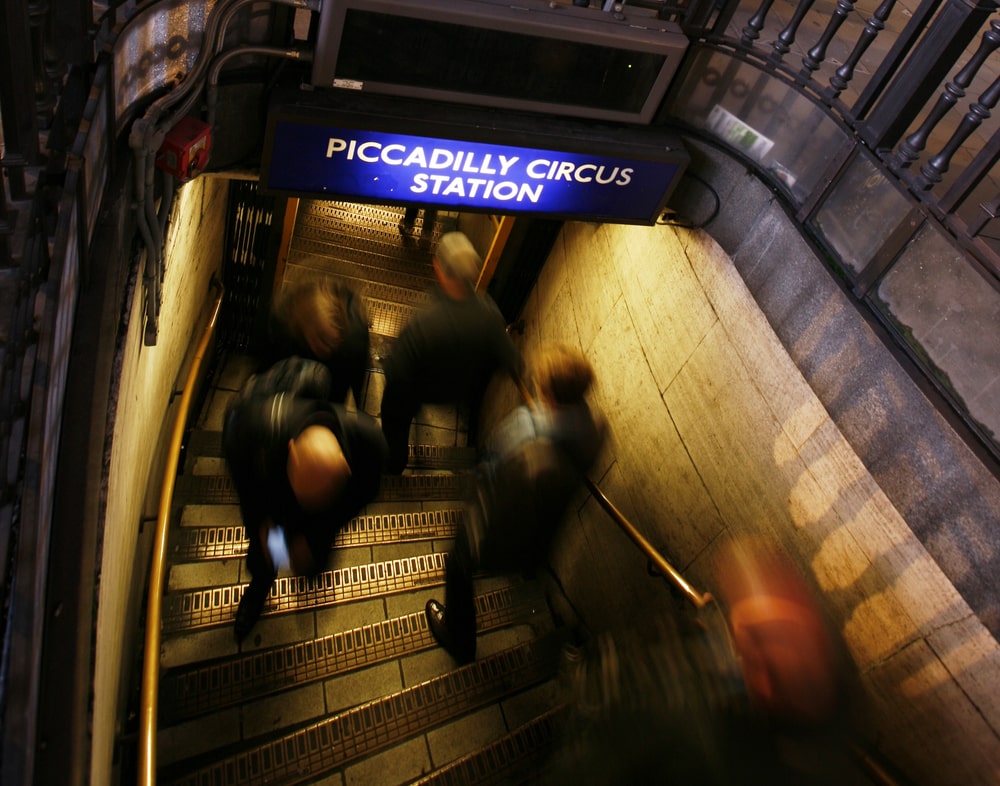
column 341, row 681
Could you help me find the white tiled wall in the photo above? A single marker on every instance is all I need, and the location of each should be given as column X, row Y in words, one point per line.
column 148, row 377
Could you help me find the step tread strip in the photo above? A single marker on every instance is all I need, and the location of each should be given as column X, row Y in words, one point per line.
column 211, row 606
column 197, row 544
column 199, row 688
column 515, row 758
column 329, row 745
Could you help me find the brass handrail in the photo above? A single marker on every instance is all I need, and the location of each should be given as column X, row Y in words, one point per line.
column 149, row 692
column 699, row 599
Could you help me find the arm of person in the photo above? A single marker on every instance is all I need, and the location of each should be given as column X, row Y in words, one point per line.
column 250, row 491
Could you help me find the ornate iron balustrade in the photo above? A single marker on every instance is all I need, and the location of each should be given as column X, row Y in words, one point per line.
column 878, row 129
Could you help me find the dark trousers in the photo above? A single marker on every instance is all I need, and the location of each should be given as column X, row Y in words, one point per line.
column 460, row 601
column 258, row 564
column 399, row 407
column 498, row 535
column 430, row 216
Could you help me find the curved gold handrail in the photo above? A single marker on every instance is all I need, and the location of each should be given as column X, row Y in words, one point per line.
column 149, row 692
column 699, row 599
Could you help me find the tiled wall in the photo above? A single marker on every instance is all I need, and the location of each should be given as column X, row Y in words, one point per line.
column 148, row 378
column 715, row 432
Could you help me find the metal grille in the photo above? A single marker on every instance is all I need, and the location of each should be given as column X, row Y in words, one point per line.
column 398, row 527
column 205, row 489
column 329, row 745
column 248, row 224
column 397, row 488
column 394, row 293
column 364, row 236
column 204, row 543
column 202, row 608
column 351, row 213
column 387, row 318
column 186, row 692
column 360, row 267
column 441, row 457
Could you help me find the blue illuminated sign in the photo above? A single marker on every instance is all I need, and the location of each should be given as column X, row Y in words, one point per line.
column 378, row 166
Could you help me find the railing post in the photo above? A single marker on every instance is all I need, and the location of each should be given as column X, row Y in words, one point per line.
column 953, row 91
column 932, row 171
column 814, row 57
column 874, row 26
column 786, row 37
column 952, row 30
column 756, row 23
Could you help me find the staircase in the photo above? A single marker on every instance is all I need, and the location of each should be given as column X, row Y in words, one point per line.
column 341, row 682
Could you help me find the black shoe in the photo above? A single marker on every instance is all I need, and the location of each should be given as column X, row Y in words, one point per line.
column 462, row 652
column 251, row 606
column 436, row 623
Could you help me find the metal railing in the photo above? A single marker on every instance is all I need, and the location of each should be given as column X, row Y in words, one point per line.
column 698, row 599
column 940, row 161
column 877, row 131
column 149, row 689
column 662, row 566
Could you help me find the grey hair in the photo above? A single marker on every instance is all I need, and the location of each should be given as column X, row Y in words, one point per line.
column 458, row 258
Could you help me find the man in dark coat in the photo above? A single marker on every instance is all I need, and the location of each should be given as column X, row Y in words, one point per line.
column 448, row 352
column 302, row 466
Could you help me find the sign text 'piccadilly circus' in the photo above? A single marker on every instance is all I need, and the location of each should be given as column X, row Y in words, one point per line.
column 474, row 174
column 382, row 166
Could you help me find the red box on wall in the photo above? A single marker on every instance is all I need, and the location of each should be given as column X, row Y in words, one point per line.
column 184, row 152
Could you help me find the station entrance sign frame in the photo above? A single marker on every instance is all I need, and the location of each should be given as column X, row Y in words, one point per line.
column 472, row 161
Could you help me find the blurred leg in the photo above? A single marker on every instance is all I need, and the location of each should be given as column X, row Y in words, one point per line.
column 407, row 221
column 254, row 596
column 398, row 410
column 454, row 624
column 460, row 599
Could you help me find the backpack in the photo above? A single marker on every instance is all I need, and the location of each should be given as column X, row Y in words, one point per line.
column 516, row 514
column 295, row 375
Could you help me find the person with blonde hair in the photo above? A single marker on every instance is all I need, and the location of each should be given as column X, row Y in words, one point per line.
column 323, row 319
column 559, row 377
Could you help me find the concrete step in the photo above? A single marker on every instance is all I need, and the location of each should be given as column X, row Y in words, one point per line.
column 218, row 683
column 341, row 680
column 400, row 734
